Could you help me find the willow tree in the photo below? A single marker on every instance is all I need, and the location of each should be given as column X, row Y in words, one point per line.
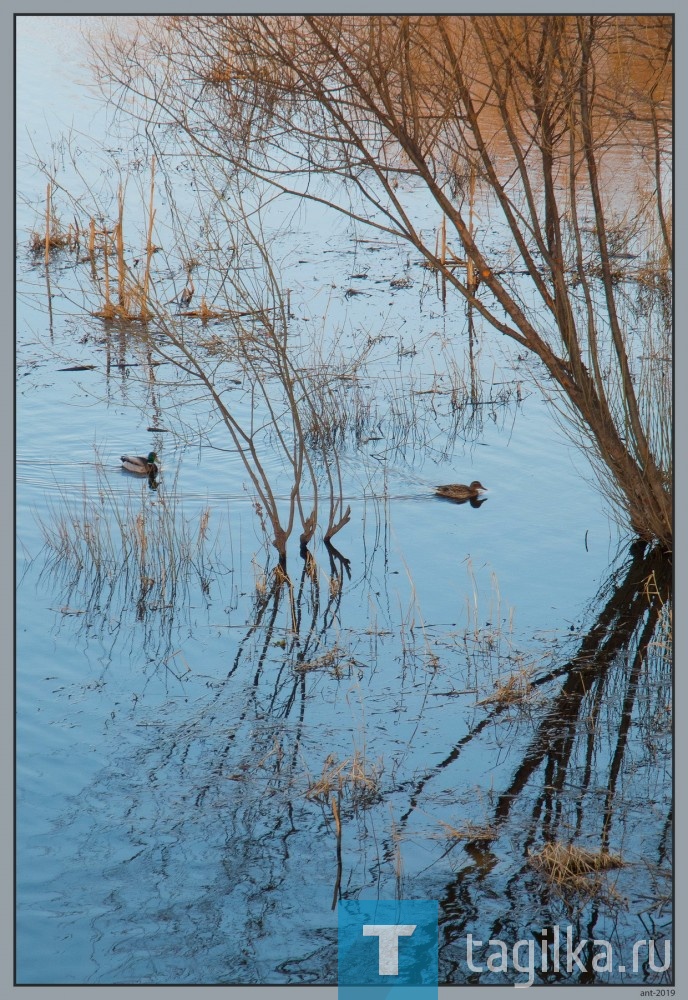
column 533, row 116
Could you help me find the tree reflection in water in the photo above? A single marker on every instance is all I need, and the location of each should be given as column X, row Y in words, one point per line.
column 224, row 805
column 578, row 782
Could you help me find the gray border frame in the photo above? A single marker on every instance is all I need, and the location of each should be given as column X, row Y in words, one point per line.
column 7, row 388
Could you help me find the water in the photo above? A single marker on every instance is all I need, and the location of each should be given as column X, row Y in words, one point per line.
column 172, row 720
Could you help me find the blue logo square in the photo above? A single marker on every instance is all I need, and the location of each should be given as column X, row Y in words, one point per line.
column 388, row 949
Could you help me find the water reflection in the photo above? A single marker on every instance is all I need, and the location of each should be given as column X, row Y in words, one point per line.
column 214, row 824
column 475, row 502
column 607, row 721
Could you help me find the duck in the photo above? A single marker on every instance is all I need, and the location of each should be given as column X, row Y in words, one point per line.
column 140, row 465
column 457, row 491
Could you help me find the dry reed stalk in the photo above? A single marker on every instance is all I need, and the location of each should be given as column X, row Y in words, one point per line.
column 470, row 267
column 310, row 567
column 149, row 243
column 53, row 237
column 152, row 551
column 92, row 247
column 119, row 240
column 108, row 308
column 337, row 820
column 48, row 214
column 328, row 781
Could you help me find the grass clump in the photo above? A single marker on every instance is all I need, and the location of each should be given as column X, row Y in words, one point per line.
column 105, row 539
column 575, row 870
column 517, row 689
column 354, row 777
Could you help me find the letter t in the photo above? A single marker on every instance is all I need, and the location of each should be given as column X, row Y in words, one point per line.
column 388, row 962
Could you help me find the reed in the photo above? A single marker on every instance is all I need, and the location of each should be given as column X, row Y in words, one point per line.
column 54, row 235
column 107, row 539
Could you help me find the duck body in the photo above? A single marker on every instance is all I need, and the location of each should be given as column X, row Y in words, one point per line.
column 140, row 465
column 457, row 491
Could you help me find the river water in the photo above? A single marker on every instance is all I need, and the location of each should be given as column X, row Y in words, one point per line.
column 171, row 733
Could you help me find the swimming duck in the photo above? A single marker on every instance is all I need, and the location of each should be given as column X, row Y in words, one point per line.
column 142, row 466
column 456, row 491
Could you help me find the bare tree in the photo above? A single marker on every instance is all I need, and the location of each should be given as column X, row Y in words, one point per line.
column 538, row 111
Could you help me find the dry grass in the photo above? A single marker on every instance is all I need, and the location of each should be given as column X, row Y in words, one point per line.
column 354, row 777
column 517, row 689
column 569, row 868
column 54, row 236
column 469, row 832
column 333, row 661
column 205, row 313
column 104, row 538
column 57, row 239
